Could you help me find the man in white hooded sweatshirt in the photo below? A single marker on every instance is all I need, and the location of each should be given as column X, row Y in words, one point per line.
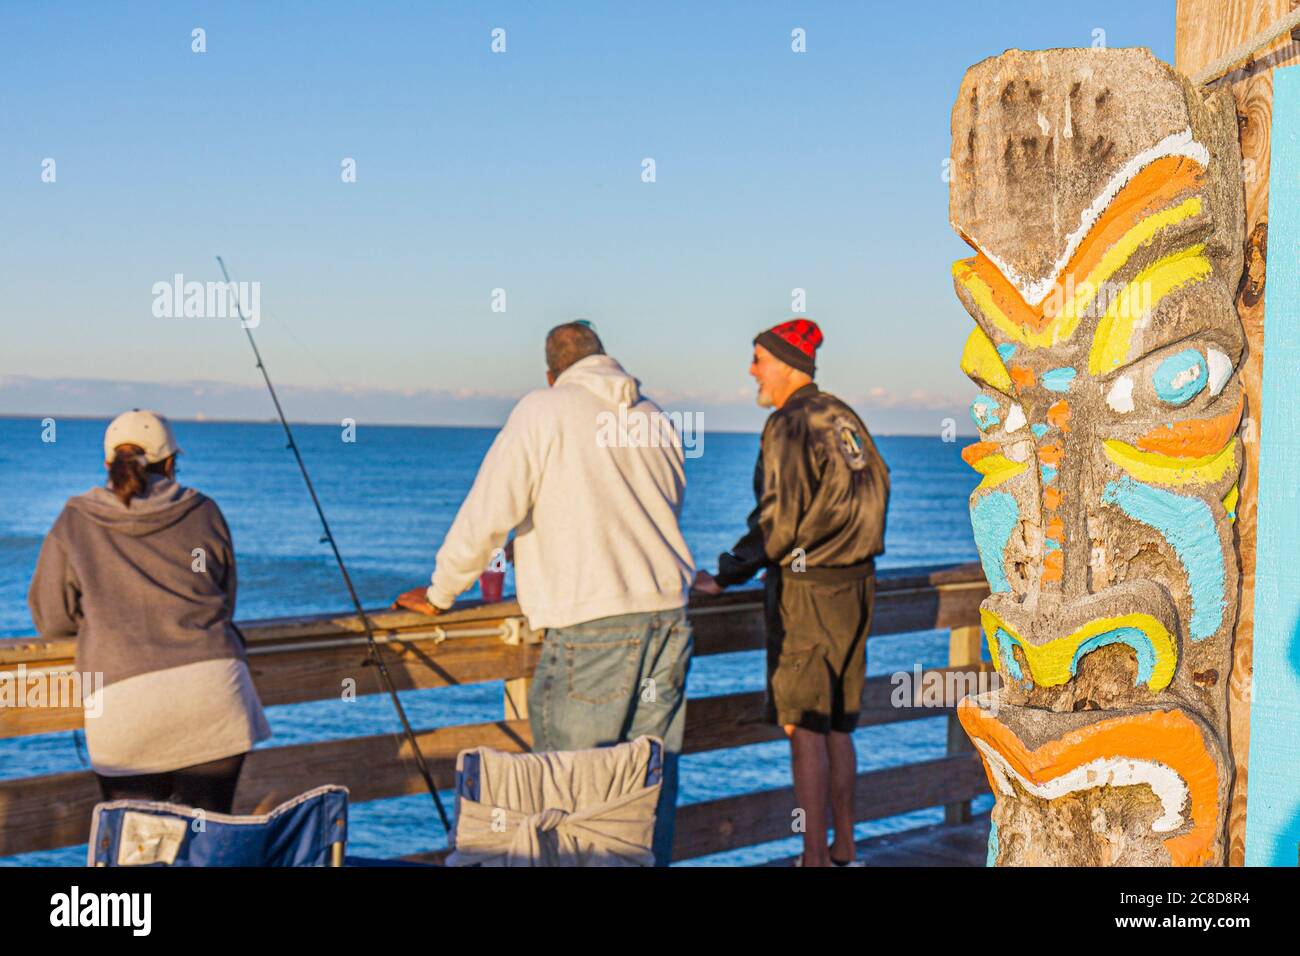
column 590, row 478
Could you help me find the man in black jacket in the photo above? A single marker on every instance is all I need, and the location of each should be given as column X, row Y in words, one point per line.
column 822, row 491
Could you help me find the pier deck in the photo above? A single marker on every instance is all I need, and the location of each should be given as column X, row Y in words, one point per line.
column 941, row 844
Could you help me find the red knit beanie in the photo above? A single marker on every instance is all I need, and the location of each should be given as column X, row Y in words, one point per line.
column 794, row 343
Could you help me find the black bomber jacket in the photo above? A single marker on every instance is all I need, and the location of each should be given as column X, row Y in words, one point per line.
column 822, row 491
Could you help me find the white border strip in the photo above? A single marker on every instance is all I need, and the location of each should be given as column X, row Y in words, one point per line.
column 1102, row 772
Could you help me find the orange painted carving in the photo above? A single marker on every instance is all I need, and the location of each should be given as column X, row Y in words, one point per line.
column 1053, row 566
column 1022, row 377
column 1168, row 737
column 981, row 449
column 1059, row 415
column 1195, row 437
column 1149, row 191
column 1050, row 455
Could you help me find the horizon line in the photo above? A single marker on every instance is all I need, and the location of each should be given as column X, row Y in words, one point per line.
column 275, row 421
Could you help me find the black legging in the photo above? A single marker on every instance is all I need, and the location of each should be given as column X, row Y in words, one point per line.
column 205, row 786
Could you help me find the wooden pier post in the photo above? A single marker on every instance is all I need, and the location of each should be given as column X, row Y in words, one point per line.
column 963, row 651
column 1206, row 30
column 517, row 698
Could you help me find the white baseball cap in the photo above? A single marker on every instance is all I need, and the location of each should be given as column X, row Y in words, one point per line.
column 144, row 428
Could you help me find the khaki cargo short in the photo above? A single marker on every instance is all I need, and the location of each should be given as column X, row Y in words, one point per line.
column 816, row 649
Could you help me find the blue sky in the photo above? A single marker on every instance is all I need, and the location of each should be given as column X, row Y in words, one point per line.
column 478, row 171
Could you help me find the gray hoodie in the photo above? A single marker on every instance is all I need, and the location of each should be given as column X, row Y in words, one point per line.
column 143, row 587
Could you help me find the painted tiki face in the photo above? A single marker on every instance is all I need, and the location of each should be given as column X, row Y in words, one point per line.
column 1102, row 195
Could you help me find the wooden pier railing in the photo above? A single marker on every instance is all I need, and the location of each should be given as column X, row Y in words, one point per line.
column 323, row 657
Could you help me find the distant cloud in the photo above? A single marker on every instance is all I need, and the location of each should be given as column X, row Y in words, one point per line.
column 920, row 412
column 103, row 398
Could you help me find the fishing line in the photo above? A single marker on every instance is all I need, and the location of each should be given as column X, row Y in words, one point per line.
column 371, row 646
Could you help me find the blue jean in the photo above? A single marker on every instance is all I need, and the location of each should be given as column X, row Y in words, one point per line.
column 610, row 680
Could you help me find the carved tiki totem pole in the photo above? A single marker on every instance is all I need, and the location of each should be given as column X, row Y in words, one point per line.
column 1102, row 196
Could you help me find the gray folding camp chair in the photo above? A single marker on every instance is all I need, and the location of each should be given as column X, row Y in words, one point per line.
column 309, row 830
column 563, row 808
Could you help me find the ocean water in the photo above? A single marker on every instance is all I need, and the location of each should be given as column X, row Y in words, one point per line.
column 390, row 496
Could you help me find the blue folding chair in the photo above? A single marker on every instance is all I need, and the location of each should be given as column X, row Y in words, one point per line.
column 309, row 830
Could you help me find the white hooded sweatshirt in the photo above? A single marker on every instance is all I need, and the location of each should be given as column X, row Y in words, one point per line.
column 595, row 508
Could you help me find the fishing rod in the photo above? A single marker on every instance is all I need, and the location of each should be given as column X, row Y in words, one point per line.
column 372, row 646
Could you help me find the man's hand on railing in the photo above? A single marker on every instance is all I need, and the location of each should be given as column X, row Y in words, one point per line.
column 417, row 600
column 705, row 583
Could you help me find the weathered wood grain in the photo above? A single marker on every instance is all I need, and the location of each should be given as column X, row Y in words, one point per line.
column 1207, row 29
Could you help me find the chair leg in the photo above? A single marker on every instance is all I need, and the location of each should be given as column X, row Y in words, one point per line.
column 336, row 854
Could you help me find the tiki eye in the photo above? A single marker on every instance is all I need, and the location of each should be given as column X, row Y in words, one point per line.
column 1220, row 369
column 1181, row 377
column 984, row 412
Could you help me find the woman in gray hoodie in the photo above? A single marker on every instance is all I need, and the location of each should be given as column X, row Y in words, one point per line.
column 142, row 574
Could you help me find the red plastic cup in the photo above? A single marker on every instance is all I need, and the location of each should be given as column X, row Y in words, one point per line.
column 491, row 583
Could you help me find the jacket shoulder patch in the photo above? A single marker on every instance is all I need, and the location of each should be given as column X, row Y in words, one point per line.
column 850, row 443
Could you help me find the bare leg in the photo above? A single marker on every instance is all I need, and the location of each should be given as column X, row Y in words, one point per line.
column 810, row 765
column 843, row 777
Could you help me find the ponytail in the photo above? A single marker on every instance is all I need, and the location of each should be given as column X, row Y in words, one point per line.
column 127, row 472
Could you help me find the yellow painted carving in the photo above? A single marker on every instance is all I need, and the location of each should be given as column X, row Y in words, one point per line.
column 1230, row 503
column 980, row 360
column 983, row 297
column 997, row 469
column 1118, row 254
column 1155, row 468
column 1066, row 321
column 1114, row 336
column 1049, row 664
